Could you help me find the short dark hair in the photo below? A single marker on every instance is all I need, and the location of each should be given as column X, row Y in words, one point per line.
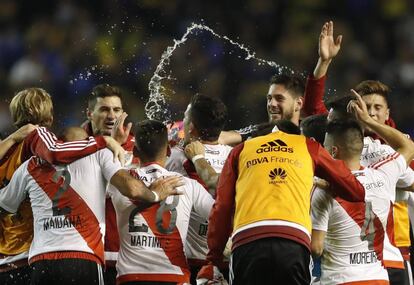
column 102, row 91
column 339, row 104
column 369, row 87
column 293, row 83
column 315, row 127
column 150, row 139
column 350, row 134
column 208, row 116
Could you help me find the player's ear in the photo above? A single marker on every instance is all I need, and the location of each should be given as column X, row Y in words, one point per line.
column 192, row 130
column 88, row 113
column 298, row 104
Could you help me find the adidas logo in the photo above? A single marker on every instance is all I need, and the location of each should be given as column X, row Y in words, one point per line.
column 278, row 172
column 275, row 145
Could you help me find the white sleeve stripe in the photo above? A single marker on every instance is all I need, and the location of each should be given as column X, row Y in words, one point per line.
column 48, row 139
column 51, row 137
column 386, row 159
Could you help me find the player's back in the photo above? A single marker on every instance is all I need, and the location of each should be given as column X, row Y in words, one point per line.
column 373, row 152
column 216, row 155
column 353, row 251
column 350, row 255
column 68, row 205
column 152, row 235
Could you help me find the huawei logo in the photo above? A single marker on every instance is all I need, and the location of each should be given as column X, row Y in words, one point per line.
column 278, row 172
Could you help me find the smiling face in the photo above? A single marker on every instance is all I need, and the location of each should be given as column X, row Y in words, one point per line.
column 281, row 104
column 106, row 111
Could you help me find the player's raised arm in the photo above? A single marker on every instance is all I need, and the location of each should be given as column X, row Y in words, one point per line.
column 328, row 49
column 393, row 137
column 315, row 84
column 196, row 153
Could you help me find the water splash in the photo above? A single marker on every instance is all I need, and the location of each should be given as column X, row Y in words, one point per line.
column 157, row 105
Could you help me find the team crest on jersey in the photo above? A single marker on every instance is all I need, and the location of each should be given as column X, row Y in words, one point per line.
column 275, row 145
column 277, row 176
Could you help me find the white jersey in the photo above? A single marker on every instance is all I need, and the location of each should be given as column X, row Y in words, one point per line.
column 215, row 154
column 373, row 152
column 196, row 247
column 152, row 235
column 356, row 231
column 68, row 204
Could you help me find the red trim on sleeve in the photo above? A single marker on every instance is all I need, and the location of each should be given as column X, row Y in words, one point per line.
column 220, row 221
column 342, row 182
column 313, row 100
column 44, row 144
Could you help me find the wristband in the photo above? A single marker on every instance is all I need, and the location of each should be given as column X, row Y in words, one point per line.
column 157, row 197
column 197, row 157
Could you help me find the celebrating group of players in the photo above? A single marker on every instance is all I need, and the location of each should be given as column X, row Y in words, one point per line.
column 110, row 203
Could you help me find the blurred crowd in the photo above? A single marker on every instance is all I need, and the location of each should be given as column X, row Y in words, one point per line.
column 67, row 47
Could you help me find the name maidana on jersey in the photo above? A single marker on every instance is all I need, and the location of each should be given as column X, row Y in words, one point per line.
column 68, row 205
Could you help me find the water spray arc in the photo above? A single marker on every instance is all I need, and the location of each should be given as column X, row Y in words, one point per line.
column 156, row 105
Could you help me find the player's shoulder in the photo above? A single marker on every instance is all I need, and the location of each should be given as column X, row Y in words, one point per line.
column 177, row 153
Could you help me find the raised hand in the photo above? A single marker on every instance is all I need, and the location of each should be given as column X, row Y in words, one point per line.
column 116, row 148
column 119, row 133
column 194, row 148
column 358, row 108
column 328, row 47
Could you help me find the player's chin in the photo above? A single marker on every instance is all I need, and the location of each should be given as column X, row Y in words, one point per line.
column 274, row 117
column 106, row 131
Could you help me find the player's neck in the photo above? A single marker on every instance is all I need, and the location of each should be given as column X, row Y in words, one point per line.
column 353, row 164
column 209, row 142
column 158, row 160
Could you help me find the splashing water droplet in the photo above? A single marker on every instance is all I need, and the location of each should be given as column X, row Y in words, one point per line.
column 156, row 107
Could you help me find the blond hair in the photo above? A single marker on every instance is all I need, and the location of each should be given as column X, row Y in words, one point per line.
column 32, row 105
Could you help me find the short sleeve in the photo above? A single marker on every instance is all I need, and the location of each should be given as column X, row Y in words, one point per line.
column 392, row 167
column 320, row 209
column 406, row 179
column 108, row 166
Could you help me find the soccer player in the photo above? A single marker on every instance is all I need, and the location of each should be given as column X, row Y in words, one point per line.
column 106, row 116
column 375, row 94
column 284, row 101
column 153, row 234
column 263, row 197
column 339, row 225
column 31, row 106
column 202, row 159
column 68, row 211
